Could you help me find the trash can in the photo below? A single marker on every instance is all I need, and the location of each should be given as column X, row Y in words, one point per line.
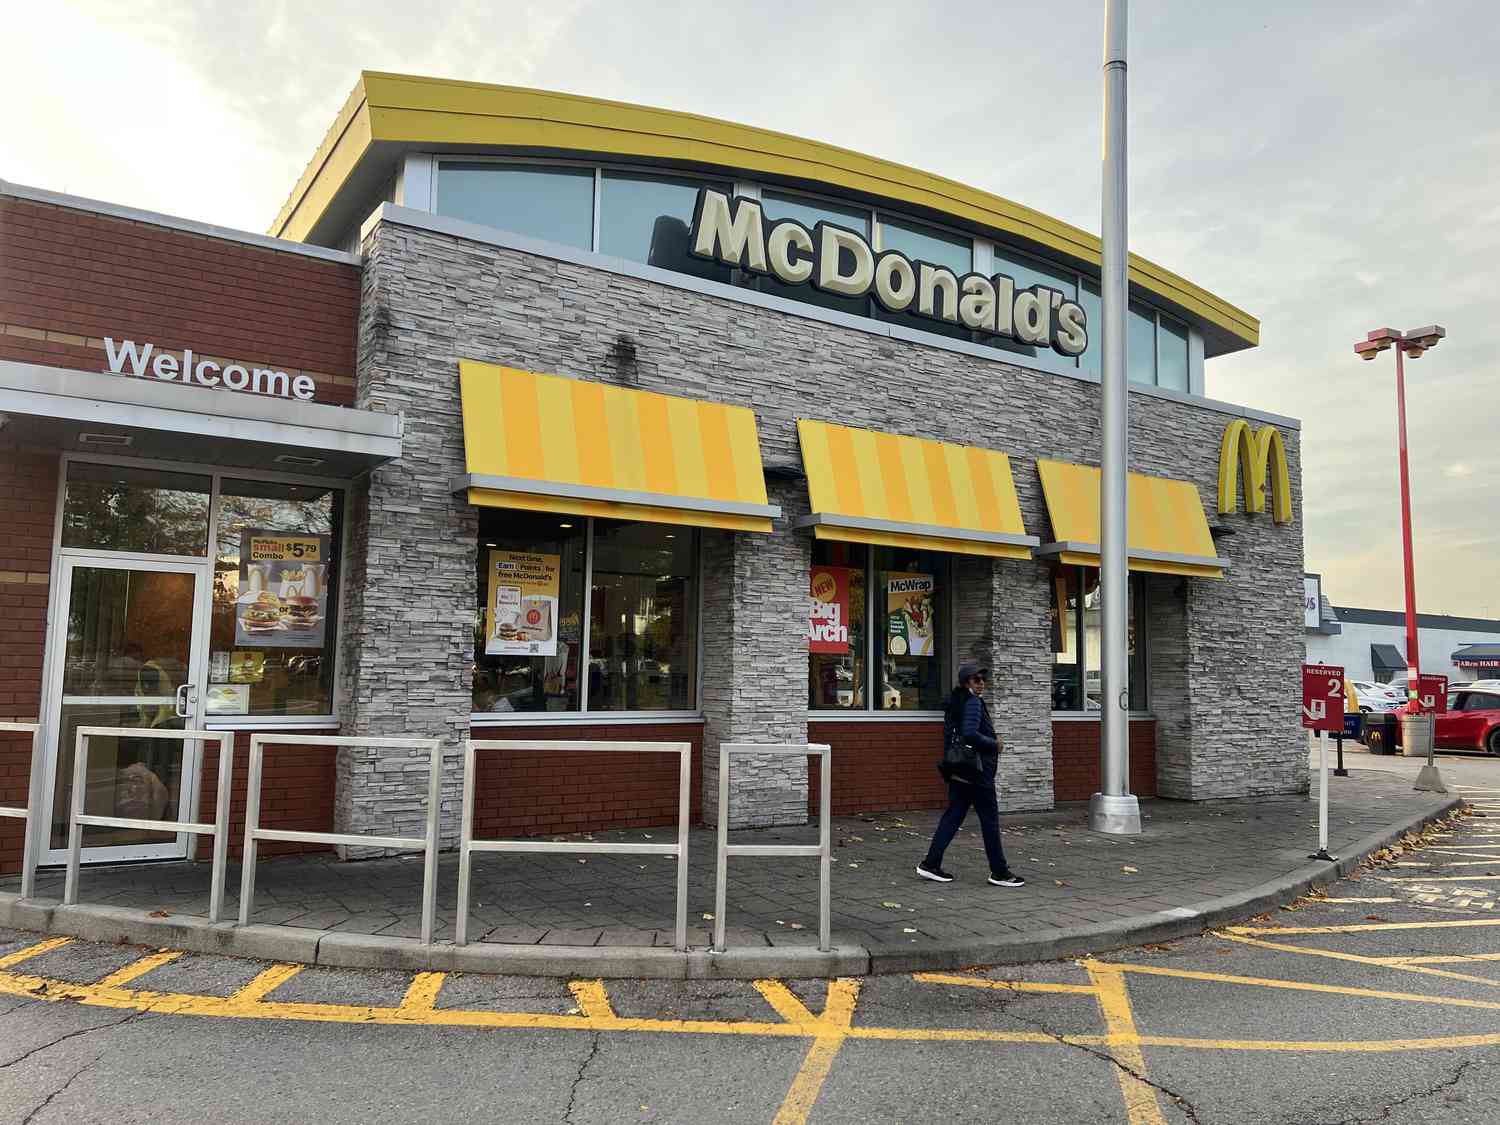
column 1382, row 732
column 1416, row 735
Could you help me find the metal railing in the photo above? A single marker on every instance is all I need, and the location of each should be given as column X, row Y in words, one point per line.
column 28, row 854
column 219, row 829
column 468, row 845
column 427, row 844
column 823, row 849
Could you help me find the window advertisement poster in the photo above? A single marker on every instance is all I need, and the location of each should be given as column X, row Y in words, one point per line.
column 1312, row 595
column 828, row 627
column 521, row 604
column 283, row 596
column 910, row 607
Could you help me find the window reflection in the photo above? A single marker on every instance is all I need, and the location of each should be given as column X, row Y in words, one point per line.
column 1140, row 345
column 649, row 219
column 643, row 651
column 122, row 508
column 550, row 204
column 1172, row 355
column 927, row 244
column 810, row 213
column 1077, row 627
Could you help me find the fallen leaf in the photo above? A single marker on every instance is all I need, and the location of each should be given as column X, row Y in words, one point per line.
column 1129, row 870
column 160, row 914
column 708, row 917
column 1060, row 882
column 795, row 926
column 907, row 930
column 891, row 905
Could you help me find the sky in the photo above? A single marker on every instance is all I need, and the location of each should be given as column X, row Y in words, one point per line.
column 1329, row 167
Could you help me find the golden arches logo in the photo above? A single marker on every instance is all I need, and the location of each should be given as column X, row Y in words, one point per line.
column 1255, row 455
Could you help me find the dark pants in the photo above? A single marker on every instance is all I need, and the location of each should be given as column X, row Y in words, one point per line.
column 982, row 798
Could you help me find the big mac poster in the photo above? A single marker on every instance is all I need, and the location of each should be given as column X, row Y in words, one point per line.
column 828, row 626
column 521, row 604
column 283, row 590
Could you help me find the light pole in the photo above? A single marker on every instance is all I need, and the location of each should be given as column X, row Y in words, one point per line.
column 1416, row 728
column 1114, row 808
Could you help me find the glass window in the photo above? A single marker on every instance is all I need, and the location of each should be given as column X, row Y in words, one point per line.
column 839, row 645
column 119, row 508
column 810, row 213
column 1172, row 355
column 275, row 599
column 1077, row 610
column 911, row 603
column 927, row 244
column 643, row 647
column 1140, row 345
column 529, row 626
column 648, row 219
column 550, row 204
column 1028, row 271
column 1092, row 359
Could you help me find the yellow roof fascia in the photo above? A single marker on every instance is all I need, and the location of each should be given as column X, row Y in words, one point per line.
column 407, row 109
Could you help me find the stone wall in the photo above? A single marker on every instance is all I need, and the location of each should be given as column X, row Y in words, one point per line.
column 432, row 299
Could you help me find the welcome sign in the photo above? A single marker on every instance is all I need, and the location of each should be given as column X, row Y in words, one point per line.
column 733, row 231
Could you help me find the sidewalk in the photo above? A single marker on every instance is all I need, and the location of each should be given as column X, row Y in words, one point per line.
column 1196, row 864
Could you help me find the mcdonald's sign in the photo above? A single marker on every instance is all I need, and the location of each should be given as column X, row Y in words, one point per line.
column 1255, row 455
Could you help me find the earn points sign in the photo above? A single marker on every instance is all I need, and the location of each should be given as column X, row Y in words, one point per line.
column 834, row 259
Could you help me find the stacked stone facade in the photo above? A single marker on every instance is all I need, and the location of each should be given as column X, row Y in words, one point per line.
column 1224, row 653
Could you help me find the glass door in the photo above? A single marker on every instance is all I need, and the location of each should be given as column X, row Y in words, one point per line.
column 126, row 654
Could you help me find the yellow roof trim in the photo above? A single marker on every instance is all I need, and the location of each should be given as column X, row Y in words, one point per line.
column 411, row 110
column 572, row 446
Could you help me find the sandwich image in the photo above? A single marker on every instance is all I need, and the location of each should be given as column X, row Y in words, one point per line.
column 263, row 614
column 300, row 613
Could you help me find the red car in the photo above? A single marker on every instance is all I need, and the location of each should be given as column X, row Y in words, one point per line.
column 1473, row 719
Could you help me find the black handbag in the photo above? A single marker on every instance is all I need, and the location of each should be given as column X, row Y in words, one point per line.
column 960, row 759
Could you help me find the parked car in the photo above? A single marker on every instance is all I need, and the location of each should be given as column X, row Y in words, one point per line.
column 1378, row 697
column 1473, row 719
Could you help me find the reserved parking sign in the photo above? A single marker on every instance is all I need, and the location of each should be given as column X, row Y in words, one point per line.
column 1323, row 697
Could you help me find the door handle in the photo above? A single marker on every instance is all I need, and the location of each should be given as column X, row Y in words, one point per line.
column 184, row 699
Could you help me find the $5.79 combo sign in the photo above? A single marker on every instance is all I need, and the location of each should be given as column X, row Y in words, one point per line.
column 1322, row 697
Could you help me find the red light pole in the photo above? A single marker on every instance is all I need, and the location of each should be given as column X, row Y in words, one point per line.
column 1416, row 729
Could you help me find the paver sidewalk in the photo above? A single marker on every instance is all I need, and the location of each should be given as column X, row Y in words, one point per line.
column 1189, row 854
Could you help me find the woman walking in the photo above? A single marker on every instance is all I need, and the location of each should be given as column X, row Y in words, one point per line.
column 967, row 715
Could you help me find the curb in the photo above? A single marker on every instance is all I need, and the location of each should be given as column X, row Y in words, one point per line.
column 116, row 925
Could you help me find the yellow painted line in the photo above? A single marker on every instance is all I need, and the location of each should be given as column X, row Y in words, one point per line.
column 1487, row 861
column 1004, row 985
column 1141, row 1106
column 1335, row 1046
column 1308, row 986
column 128, row 973
column 421, row 995
column 1363, row 927
column 1437, row 878
column 265, row 983
column 1337, row 955
column 32, row 951
column 1386, row 899
column 833, row 1029
column 1445, row 959
column 785, row 1001
column 966, row 1035
column 592, row 999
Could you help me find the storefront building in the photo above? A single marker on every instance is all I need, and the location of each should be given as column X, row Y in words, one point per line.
column 543, row 417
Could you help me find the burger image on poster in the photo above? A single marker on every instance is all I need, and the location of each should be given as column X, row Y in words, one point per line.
column 910, row 610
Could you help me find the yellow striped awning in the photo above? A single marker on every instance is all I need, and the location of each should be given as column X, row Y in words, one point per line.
column 889, row 490
column 1167, row 531
column 549, row 444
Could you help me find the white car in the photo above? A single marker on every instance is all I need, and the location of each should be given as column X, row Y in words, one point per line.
column 1378, row 698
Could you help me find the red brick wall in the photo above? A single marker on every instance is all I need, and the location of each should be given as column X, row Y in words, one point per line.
column 879, row 767
column 296, row 793
column 68, row 278
column 525, row 793
column 28, row 502
column 1075, row 759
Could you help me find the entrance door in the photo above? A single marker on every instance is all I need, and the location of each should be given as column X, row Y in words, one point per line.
column 126, row 655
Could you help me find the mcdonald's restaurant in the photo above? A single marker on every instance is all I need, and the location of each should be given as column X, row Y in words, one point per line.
column 543, row 418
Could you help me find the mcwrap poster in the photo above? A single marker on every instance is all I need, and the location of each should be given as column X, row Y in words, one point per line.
column 828, row 627
column 521, row 604
column 283, row 598
column 909, row 608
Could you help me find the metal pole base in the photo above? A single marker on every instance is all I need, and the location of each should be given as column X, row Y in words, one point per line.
column 1429, row 780
column 1322, row 853
column 1118, row 816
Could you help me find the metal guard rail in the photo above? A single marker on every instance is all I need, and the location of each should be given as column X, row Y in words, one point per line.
column 468, row 845
column 427, row 844
column 219, row 829
column 823, row 849
column 28, row 854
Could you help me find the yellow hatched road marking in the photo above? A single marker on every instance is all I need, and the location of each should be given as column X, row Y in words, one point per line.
column 1437, row 878
column 1141, row 1106
column 1386, row 899
column 421, row 995
column 833, row 1028
column 1445, row 959
column 32, row 951
column 128, row 973
column 1364, row 927
column 592, row 999
column 785, row 1001
column 1004, row 985
column 1308, row 986
column 1486, row 861
column 1335, row 955
column 265, row 983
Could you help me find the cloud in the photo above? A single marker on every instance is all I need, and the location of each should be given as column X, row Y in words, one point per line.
column 1458, row 471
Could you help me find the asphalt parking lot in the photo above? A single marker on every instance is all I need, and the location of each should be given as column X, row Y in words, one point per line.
column 1379, row 1001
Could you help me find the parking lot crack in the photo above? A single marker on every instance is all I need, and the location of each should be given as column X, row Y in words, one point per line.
column 578, row 1078
column 70, row 1035
column 1432, row 1091
column 45, row 1102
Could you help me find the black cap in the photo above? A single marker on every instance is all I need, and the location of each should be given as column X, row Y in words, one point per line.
column 967, row 672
